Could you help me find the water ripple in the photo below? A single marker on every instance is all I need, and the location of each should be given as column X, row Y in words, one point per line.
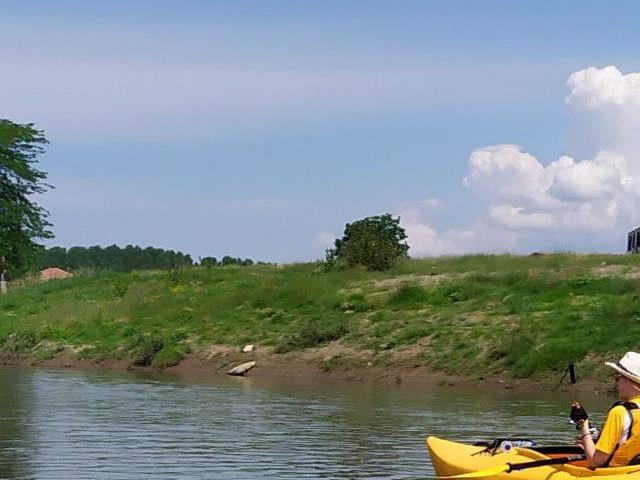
column 70, row 425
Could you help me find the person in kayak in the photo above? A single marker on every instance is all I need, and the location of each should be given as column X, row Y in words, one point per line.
column 619, row 442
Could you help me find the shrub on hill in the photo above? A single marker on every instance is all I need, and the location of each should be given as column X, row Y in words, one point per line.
column 376, row 243
column 312, row 335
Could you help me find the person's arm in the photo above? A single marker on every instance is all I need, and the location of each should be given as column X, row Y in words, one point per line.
column 595, row 457
column 598, row 453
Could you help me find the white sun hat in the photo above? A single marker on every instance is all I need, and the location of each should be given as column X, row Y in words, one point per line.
column 628, row 366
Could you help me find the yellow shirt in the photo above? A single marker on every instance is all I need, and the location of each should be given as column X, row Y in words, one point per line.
column 616, row 430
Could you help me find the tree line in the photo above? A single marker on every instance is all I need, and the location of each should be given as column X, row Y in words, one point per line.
column 112, row 257
column 227, row 260
column 125, row 259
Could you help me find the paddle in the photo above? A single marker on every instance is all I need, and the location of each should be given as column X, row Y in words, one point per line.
column 510, row 467
column 572, row 380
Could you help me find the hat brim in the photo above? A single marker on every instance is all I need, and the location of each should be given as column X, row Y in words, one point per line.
column 623, row 372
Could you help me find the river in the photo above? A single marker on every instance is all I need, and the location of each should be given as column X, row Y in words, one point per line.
column 87, row 425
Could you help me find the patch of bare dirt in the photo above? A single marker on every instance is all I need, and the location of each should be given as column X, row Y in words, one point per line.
column 610, row 270
column 632, row 273
column 393, row 283
column 381, row 287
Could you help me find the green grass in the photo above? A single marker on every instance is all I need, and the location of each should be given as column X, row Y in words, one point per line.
column 526, row 316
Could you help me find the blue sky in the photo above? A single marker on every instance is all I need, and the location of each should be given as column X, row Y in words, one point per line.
column 258, row 129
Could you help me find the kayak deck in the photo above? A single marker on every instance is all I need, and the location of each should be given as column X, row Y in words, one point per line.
column 453, row 458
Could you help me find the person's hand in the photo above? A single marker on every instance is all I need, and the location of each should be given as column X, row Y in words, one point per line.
column 579, row 441
column 578, row 415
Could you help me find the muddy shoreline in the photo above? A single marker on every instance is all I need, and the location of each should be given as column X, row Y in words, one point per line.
column 309, row 364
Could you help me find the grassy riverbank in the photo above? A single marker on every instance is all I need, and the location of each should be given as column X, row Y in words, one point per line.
column 480, row 315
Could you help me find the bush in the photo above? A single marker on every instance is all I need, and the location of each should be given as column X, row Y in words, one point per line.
column 355, row 303
column 408, row 296
column 311, row 335
column 167, row 357
column 144, row 348
column 334, row 363
column 19, row 342
column 375, row 243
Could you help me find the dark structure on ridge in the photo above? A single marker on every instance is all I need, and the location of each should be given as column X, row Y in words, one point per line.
column 633, row 241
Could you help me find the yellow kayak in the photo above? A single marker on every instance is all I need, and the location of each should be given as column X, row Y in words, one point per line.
column 453, row 458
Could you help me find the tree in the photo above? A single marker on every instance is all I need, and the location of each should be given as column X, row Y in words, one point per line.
column 22, row 220
column 373, row 242
column 209, row 261
column 229, row 260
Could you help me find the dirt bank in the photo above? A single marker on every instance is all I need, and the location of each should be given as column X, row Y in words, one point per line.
column 333, row 362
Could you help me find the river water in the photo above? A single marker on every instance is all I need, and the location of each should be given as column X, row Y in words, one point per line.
column 86, row 425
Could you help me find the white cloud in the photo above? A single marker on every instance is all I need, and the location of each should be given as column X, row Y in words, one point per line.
column 522, row 193
column 514, row 217
column 591, row 195
column 504, row 167
column 600, row 87
column 605, row 107
column 581, row 202
column 596, row 179
column 425, row 240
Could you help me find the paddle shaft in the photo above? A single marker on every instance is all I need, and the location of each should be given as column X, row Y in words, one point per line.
column 572, row 380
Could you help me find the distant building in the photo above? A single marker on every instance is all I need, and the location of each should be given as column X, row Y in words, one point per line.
column 633, row 241
column 51, row 273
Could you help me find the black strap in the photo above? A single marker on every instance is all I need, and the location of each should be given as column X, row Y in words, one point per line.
column 627, row 405
column 541, row 463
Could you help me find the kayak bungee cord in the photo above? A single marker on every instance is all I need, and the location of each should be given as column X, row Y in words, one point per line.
column 511, row 467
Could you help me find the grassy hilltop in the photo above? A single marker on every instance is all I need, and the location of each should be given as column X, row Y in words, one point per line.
column 524, row 316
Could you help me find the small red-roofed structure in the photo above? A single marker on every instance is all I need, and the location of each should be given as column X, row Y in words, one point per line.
column 51, row 273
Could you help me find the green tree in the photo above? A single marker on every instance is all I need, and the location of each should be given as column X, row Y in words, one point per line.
column 209, row 261
column 22, row 220
column 376, row 243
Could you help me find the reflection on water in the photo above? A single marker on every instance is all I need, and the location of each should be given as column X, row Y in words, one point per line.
column 15, row 413
column 77, row 425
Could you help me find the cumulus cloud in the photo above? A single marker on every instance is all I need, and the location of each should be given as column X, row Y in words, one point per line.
column 514, row 172
column 604, row 105
column 523, row 193
column 596, row 179
column 590, row 202
column 514, row 217
column 425, row 240
column 600, row 87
